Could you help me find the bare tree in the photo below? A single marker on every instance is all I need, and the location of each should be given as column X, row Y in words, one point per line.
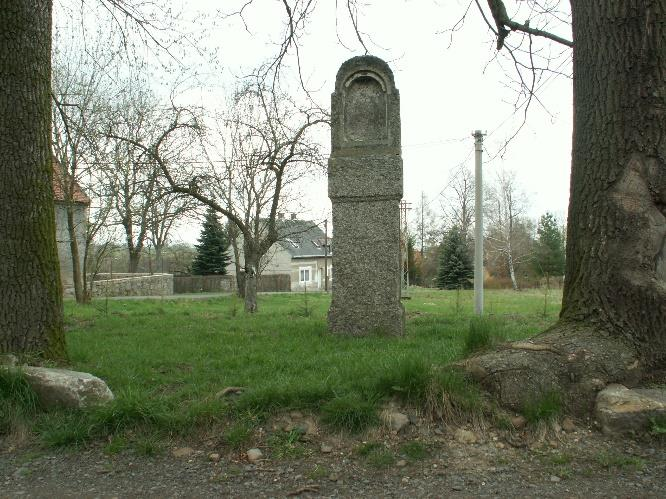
column 78, row 112
column 458, row 200
column 505, row 208
column 267, row 144
column 142, row 206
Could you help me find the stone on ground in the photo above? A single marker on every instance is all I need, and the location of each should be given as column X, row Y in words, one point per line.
column 395, row 420
column 64, row 388
column 623, row 410
column 254, row 455
column 465, row 436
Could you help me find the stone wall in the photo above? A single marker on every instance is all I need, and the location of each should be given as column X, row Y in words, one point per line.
column 137, row 285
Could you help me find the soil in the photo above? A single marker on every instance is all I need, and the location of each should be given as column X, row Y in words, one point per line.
column 549, row 462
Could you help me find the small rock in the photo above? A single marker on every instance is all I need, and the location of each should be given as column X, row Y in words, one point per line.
column 518, row 422
column 555, row 479
column 296, row 414
column 214, row 457
column 465, row 436
column 333, row 477
column 182, row 452
column 568, row 425
column 395, row 420
column 326, row 449
column 254, row 455
column 401, row 464
column 230, row 390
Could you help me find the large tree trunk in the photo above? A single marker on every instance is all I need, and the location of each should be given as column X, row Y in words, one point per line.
column 31, row 316
column 134, row 259
column 613, row 322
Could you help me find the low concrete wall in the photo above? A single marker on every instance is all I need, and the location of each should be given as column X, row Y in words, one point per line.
column 137, row 285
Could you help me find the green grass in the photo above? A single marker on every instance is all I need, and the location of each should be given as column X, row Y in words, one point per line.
column 545, row 407
column 483, row 333
column 166, row 359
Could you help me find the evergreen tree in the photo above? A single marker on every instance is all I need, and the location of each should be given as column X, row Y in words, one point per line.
column 212, row 251
column 549, row 248
column 455, row 263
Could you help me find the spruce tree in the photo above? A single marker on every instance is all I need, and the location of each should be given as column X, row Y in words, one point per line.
column 456, row 270
column 212, row 255
column 549, row 248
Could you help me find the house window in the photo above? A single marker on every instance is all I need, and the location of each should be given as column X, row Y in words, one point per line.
column 304, row 274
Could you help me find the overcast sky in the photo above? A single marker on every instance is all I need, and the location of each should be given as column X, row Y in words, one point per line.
column 448, row 86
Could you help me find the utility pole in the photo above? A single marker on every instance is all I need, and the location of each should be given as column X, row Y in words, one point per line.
column 478, row 229
column 404, row 206
column 326, row 255
column 422, row 221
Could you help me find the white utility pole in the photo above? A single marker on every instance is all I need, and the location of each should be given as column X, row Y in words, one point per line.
column 478, row 219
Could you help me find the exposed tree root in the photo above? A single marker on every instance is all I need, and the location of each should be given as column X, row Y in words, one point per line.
column 572, row 360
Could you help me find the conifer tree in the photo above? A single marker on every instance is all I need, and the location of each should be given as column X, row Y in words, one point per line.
column 212, row 255
column 549, row 248
column 455, row 264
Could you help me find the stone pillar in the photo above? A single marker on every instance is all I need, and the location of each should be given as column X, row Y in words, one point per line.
column 365, row 187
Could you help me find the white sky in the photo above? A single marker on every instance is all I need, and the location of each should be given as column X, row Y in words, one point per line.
column 446, row 91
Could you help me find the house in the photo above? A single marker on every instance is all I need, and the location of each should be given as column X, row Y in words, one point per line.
column 301, row 252
column 81, row 204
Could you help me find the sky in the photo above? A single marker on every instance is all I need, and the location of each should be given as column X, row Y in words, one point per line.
column 449, row 86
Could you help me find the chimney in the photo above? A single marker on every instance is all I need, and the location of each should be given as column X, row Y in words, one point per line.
column 280, row 216
column 293, row 216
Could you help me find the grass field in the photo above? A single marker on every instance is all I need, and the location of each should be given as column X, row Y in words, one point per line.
column 167, row 359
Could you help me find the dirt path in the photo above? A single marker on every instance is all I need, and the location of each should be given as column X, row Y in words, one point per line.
column 582, row 463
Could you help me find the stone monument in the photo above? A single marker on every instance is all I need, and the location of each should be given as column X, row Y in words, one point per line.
column 365, row 187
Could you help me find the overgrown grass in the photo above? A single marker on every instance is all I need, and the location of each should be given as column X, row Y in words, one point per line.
column 18, row 402
column 545, row 407
column 166, row 360
column 483, row 333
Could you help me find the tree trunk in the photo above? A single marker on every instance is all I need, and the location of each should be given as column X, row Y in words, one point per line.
column 512, row 270
column 31, row 315
column 133, row 261
column 251, row 266
column 240, row 282
column 612, row 324
column 77, row 277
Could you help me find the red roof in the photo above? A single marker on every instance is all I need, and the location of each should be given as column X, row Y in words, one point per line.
column 59, row 193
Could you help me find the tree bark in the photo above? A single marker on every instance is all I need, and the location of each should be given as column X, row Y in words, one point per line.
column 31, row 315
column 612, row 326
column 616, row 258
column 251, row 266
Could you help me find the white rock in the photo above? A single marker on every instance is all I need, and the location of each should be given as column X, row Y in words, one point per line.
column 254, row 455
column 326, row 449
column 395, row 420
column 182, row 452
column 465, row 436
column 64, row 388
column 621, row 410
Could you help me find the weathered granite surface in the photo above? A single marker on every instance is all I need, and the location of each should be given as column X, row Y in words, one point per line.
column 365, row 187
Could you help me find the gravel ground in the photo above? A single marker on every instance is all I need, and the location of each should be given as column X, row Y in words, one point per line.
column 581, row 463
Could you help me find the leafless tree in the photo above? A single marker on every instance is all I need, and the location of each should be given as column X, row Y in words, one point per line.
column 145, row 208
column 261, row 147
column 457, row 201
column 505, row 209
column 79, row 82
